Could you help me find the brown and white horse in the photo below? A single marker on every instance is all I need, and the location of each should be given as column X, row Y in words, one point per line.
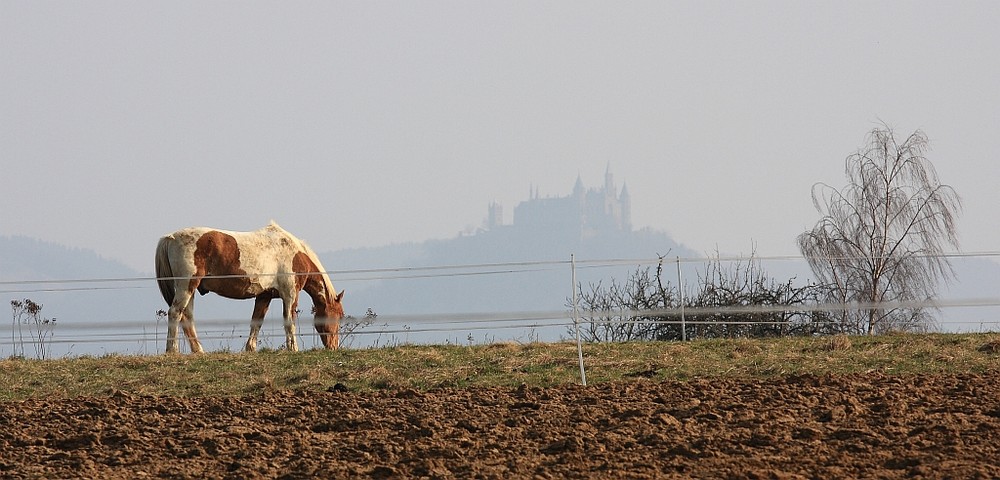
column 262, row 265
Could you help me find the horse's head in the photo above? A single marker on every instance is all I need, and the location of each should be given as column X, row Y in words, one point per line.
column 327, row 321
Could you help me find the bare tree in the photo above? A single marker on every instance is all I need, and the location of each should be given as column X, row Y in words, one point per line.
column 881, row 240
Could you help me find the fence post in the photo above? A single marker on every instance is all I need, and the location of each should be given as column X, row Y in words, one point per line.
column 576, row 321
column 680, row 294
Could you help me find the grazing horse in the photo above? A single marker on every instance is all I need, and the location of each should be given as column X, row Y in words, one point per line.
column 262, row 265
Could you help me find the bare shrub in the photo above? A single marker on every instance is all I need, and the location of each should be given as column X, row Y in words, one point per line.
column 740, row 301
column 27, row 315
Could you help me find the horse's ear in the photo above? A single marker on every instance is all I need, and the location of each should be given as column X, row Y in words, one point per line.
column 340, row 295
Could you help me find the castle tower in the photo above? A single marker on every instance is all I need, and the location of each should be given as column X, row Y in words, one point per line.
column 578, row 189
column 495, row 217
column 610, row 199
column 626, row 208
column 580, row 195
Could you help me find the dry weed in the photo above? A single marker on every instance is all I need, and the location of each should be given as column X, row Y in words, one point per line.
column 838, row 343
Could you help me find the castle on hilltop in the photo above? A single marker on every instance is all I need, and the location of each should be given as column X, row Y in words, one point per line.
column 589, row 211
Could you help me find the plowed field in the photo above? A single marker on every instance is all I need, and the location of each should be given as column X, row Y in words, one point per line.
column 855, row 426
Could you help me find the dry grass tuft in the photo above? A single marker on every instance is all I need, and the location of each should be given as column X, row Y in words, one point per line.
column 504, row 346
column 839, row 343
column 744, row 348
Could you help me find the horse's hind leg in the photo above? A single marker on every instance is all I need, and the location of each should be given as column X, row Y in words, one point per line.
column 187, row 323
column 175, row 315
column 172, row 322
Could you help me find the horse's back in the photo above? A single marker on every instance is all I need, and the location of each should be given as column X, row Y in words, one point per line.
column 204, row 251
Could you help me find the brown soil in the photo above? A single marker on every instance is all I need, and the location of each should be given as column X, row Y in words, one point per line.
column 860, row 426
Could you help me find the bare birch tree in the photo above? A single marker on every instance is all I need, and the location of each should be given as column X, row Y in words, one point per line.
column 881, row 240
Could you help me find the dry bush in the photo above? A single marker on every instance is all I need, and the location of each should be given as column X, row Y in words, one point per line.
column 744, row 347
column 838, row 343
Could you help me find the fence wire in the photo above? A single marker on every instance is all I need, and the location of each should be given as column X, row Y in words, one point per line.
column 440, row 271
column 222, row 329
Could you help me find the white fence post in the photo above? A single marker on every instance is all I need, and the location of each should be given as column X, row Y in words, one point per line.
column 680, row 294
column 576, row 321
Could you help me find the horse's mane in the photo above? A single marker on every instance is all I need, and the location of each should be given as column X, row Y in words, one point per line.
column 327, row 283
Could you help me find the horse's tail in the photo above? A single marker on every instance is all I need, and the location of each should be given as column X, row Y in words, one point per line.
column 163, row 270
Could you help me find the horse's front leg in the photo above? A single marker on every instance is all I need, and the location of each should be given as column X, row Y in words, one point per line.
column 289, row 306
column 260, row 305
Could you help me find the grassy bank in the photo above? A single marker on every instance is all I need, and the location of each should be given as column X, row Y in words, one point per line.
column 426, row 367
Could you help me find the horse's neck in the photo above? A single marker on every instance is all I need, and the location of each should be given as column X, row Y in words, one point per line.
column 319, row 290
column 319, row 287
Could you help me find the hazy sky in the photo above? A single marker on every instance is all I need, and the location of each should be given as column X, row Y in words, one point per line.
column 371, row 123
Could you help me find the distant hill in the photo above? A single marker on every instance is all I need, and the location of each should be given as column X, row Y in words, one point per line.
column 489, row 287
column 30, row 268
column 27, row 268
column 23, row 258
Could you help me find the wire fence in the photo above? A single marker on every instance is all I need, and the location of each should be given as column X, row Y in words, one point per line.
column 430, row 271
column 119, row 330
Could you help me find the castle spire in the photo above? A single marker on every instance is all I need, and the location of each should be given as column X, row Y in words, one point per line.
column 609, row 181
column 626, row 208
